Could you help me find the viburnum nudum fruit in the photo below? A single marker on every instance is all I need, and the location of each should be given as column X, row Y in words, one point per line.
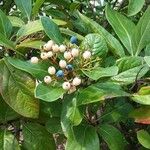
column 67, row 61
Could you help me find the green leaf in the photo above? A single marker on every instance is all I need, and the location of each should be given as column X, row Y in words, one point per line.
column 122, row 26
column 143, row 96
column 36, row 137
column 98, row 73
column 31, row 44
column 112, row 42
column 112, row 136
column 48, row 93
column 144, row 138
column 135, row 6
column 147, row 60
column 8, row 141
column 37, row 6
column 130, row 62
column 147, row 50
column 33, row 27
column 96, row 44
column 130, row 75
column 141, row 115
column 83, row 138
column 38, row 71
column 6, row 43
column 141, row 34
column 99, row 92
column 53, row 125
column 6, row 113
column 5, row 25
column 70, row 115
column 71, row 33
column 17, row 90
column 25, row 7
column 52, row 30
column 15, row 21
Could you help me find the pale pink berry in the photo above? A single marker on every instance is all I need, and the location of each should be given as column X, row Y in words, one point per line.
column 76, row 81
column 51, row 70
column 34, row 60
column 62, row 48
column 62, row 63
column 47, row 79
column 67, row 55
column 87, row 55
column 49, row 54
column 75, row 52
column 44, row 55
column 66, row 85
column 55, row 48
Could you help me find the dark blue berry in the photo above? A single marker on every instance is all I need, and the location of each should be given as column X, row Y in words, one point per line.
column 69, row 67
column 60, row 73
column 73, row 40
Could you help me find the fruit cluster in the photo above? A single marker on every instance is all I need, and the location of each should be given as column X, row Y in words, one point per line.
column 65, row 67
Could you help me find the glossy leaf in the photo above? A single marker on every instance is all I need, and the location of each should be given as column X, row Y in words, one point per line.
column 141, row 115
column 38, row 71
column 31, row 44
column 8, row 141
column 25, row 7
column 37, row 137
column 96, row 44
column 112, row 136
column 147, row 50
column 135, row 6
column 144, row 138
column 130, row 75
column 5, row 25
column 122, row 26
column 143, row 96
column 147, row 60
column 16, row 21
column 6, row 43
column 17, row 90
column 6, row 113
column 52, row 30
column 83, row 137
column 98, row 73
column 48, row 93
column 70, row 116
column 112, row 42
column 99, row 92
column 127, row 63
column 37, row 5
column 141, row 34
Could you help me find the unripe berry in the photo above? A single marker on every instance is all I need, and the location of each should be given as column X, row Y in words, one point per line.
column 76, row 81
column 75, row 52
column 66, row 85
column 34, row 60
column 44, row 55
column 47, row 79
column 51, row 70
column 67, row 55
column 73, row 40
column 62, row 63
column 49, row 54
column 50, row 43
column 45, row 47
column 55, row 48
column 62, row 48
column 69, row 67
column 60, row 74
column 87, row 55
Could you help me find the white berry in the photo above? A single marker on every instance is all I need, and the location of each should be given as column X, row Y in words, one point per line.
column 47, row 79
column 62, row 63
column 72, row 89
column 50, row 43
column 34, row 60
column 75, row 52
column 76, row 81
column 51, row 70
column 55, row 48
column 49, row 54
column 62, row 48
column 44, row 55
column 66, row 85
column 87, row 54
column 67, row 55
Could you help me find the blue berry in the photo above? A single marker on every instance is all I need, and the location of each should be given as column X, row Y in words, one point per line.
column 60, row 74
column 73, row 40
column 69, row 67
